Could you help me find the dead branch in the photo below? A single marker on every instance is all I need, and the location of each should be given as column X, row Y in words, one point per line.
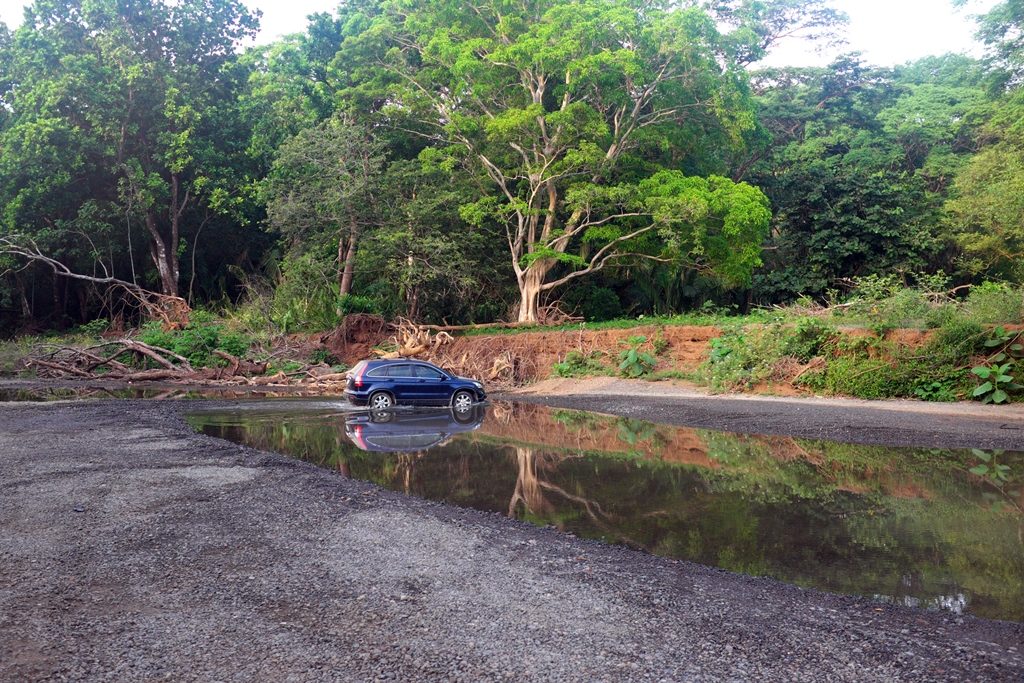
column 172, row 311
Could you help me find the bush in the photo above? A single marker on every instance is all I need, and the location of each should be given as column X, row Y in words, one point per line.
column 197, row 341
column 956, row 341
column 807, row 339
column 306, row 298
column 992, row 302
column 578, row 364
column 632, row 361
column 353, row 303
column 896, row 378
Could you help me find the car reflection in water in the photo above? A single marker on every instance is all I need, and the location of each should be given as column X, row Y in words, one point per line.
column 400, row 431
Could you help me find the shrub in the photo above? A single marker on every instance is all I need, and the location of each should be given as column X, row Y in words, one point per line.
column 353, row 303
column 197, row 341
column 992, row 302
column 807, row 339
column 578, row 364
column 632, row 361
column 307, row 295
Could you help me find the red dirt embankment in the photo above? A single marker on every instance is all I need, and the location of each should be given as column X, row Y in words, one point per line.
column 519, row 358
column 523, row 357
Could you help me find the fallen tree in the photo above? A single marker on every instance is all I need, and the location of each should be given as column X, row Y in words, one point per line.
column 128, row 360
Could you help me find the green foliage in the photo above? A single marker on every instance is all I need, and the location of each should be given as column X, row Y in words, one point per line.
column 990, row 467
column 306, row 296
column 997, row 384
column 594, row 303
column 937, row 391
column 353, row 303
column 633, row 362
column 574, row 147
column 197, row 341
column 322, row 355
column 991, row 302
column 579, row 364
column 808, row 338
column 94, row 328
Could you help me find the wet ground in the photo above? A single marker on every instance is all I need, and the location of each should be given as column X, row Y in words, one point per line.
column 135, row 549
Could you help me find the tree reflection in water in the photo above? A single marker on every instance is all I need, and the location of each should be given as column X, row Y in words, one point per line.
column 912, row 526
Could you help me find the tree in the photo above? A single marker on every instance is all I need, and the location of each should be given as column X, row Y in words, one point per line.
column 325, row 184
column 124, row 114
column 566, row 108
column 1002, row 31
column 987, row 211
column 759, row 25
column 857, row 165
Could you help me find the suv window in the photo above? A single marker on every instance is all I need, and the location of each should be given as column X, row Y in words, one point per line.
column 400, row 371
column 426, row 373
column 378, row 372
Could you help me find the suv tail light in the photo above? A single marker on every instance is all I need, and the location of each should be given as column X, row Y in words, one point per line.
column 358, row 379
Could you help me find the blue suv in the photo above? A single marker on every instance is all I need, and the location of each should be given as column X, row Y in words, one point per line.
column 382, row 384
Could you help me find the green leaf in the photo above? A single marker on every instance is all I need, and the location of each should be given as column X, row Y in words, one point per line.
column 999, row 396
column 982, row 371
column 980, row 470
column 983, row 389
column 981, row 454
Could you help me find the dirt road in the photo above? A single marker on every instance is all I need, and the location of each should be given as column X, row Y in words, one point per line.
column 133, row 549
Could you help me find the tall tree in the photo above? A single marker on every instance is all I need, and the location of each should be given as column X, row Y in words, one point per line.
column 124, row 110
column 325, row 184
column 1002, row 31
column 572, row 110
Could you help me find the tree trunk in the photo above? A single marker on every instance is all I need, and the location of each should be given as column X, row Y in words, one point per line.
column 346, row 258
column 530, row 286
column 26, row 307
column 164, row 259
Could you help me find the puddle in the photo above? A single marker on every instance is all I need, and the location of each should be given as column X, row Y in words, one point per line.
column 903, row 525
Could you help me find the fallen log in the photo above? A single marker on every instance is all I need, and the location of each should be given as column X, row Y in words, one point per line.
column 92, row 363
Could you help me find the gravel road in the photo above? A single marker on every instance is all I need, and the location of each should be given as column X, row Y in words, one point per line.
column 884, row 423
column 133, row 549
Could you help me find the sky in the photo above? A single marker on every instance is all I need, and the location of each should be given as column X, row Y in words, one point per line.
column 887, row 32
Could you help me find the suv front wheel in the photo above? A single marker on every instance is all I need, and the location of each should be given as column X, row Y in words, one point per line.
column 462, row 401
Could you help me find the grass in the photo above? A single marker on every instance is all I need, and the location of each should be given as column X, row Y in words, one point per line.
column 695, row 319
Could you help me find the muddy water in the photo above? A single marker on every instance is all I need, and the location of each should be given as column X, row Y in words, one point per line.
column 911, row 526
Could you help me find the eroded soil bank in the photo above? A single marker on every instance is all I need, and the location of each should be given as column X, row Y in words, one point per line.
column 134, row 549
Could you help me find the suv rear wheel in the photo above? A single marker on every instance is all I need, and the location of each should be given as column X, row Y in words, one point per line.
column 381, row 400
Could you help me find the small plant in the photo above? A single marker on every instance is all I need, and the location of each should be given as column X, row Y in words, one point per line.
column 937, row 391
column 94, row 328
column 988, row 467
column 997, row 385
column 632, row 361
column 997, row 368
column 322, row 355
column 1007, row 344
column 579, row 364
column 659, row 343
column 720, row 349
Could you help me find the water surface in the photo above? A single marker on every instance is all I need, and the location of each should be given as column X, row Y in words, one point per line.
column 904, row 525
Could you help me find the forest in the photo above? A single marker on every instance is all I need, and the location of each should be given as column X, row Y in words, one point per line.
column 474, row 162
